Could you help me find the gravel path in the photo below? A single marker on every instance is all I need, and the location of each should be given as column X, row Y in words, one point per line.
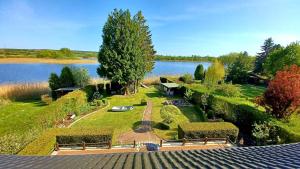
column 143, row 132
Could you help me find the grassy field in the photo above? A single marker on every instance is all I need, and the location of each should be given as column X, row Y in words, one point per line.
column 248, row 92
column 19, row 117
column 47, row 60
column 127, row 121
column 34, row 53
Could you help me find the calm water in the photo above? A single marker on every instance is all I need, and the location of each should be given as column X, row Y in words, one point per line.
column 19, row 73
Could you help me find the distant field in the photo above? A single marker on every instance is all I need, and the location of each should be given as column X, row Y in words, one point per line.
column 34, row 53
column 46, row 60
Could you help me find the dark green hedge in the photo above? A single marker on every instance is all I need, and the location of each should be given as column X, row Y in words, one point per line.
column 208, row 129
column 44, row 144
column 242, row 115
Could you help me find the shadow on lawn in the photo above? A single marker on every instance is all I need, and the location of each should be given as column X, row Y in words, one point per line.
column 36, row 103
column 249, row 91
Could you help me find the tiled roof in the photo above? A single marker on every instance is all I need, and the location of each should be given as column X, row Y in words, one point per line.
column 279, row 156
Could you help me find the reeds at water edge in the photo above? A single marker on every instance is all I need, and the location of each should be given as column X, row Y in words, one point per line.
column 23, row 91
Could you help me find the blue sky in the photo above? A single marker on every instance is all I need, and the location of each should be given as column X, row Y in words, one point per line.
column 201, row 27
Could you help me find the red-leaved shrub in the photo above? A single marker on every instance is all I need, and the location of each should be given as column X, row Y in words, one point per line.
column 282, row 96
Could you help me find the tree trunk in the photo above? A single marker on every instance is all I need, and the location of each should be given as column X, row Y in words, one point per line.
column 137, row 86
column 135, row 89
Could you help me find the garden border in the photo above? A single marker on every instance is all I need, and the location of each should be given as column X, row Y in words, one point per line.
column 88, row 115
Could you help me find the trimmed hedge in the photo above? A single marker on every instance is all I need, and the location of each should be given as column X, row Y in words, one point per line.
column 74, row 102
column 241, row 114
column 44, row 145
column 208, row 129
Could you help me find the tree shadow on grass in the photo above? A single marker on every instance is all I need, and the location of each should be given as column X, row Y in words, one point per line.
column 36, row 102
column 142, row 126
column 249, row 91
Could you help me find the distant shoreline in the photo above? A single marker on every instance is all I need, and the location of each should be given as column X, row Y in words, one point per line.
column 48, row 61
column 66, row 61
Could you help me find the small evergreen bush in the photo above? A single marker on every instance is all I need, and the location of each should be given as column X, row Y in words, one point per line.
column 143, row 102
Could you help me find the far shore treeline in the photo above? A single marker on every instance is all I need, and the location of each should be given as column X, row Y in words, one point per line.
column 76, row 54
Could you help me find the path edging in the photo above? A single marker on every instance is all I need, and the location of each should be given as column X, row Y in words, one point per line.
column 88, row 115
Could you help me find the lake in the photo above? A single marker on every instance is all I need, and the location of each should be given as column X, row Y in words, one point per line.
column 36, row 72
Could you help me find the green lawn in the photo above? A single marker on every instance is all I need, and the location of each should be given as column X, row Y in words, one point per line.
column 251, row 91
column 19, row 117
column 293, row 123
column 248, row 92
column 127, row 121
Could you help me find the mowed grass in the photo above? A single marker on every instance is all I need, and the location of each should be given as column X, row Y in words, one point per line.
column 188, row 114
column 126, row 121
column 19, row 117
column 120, row 121
column 292, row 124
column 248, row 92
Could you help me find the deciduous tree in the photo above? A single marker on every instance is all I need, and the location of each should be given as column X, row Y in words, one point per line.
column 214, row 73
column 81, row 76
column 282, row 96
column 238, row 71
column 282, row 57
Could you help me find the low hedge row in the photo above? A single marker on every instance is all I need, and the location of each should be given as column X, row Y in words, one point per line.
column 44, row 144
column 241, row 114
column 207, row 129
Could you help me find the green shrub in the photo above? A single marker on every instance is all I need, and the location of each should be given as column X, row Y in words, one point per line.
column 89, row 90
column 186, row 78
column 66, row 77
column 168, row 113
column 208, row 129
column 188, row 95
column 265, row 133
column 199, row 72
column 242, row 115
column 228, row 90
column 162, row 126
column 73, row 102
column 44, row 144
column 143, row 102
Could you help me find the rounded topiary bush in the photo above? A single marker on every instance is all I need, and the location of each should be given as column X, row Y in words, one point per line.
column 143, row 102
column 168, row 113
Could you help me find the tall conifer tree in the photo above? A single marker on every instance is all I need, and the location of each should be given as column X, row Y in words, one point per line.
column 126, row 53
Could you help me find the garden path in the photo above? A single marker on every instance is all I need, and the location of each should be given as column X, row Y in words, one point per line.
column 143, row 132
